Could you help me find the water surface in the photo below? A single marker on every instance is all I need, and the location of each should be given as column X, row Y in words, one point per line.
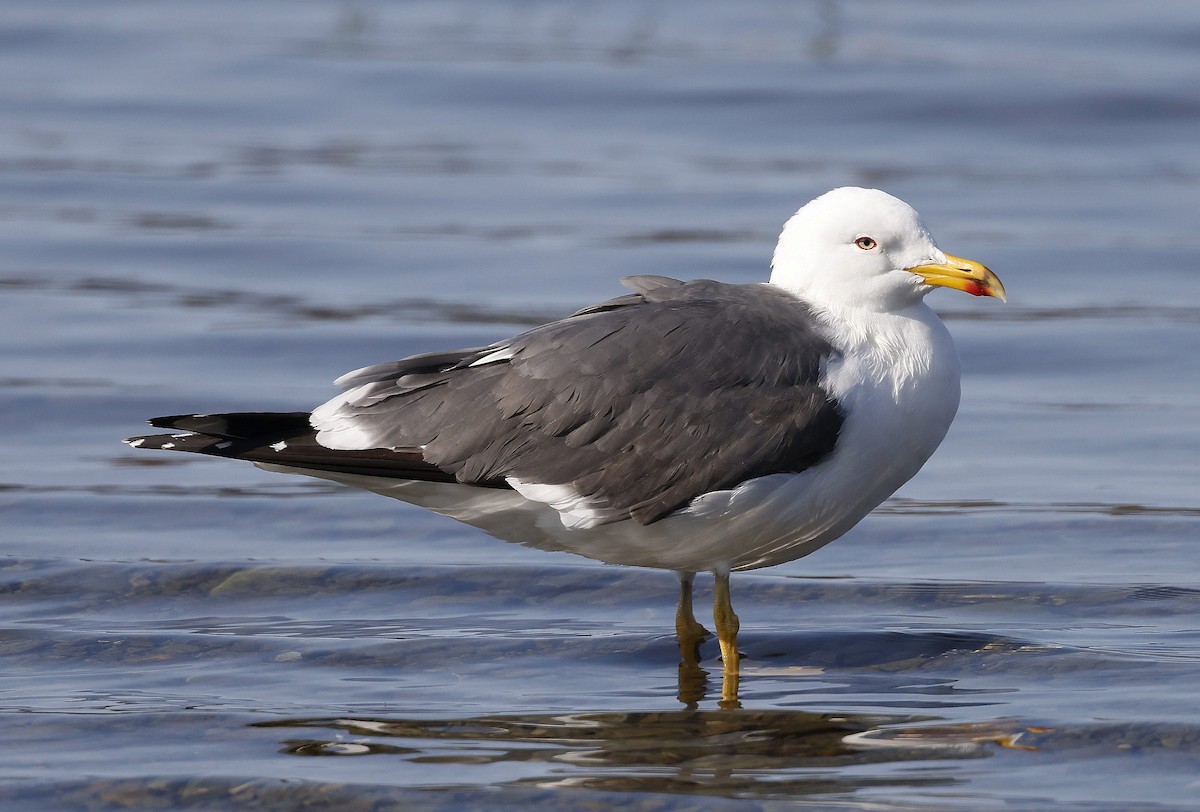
column 224, row 206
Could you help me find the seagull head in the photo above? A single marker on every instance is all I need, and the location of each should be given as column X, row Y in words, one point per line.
column 856, row 248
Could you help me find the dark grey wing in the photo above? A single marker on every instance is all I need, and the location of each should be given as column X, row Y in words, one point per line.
column 637, row 405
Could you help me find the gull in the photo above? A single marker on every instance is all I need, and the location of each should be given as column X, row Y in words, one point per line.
column 692, row 426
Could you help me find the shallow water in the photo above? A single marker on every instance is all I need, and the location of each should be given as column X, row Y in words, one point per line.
column 223, row 206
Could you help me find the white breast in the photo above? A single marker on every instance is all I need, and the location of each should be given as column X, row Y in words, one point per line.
column 897, row 380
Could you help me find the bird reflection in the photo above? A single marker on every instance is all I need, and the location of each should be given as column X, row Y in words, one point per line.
column 753, row 754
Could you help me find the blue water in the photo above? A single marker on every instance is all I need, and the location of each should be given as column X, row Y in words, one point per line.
column 225, row 205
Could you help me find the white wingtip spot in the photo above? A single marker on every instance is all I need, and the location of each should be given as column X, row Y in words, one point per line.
column 167, row 445
column 279, row 446
column 136, row 442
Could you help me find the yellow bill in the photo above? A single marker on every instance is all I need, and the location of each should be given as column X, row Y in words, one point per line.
column 962, row 274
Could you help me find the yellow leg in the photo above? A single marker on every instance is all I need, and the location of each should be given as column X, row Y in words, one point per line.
column 693, row 681
column 691, row 633
column 727, row 629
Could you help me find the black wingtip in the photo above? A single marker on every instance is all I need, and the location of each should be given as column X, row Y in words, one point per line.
column 170, row 421
column 264, row 426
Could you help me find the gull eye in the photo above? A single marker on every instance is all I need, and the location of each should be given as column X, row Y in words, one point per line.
column 866, row 243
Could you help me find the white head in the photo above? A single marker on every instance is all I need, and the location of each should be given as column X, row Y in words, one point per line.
column 863, row 248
